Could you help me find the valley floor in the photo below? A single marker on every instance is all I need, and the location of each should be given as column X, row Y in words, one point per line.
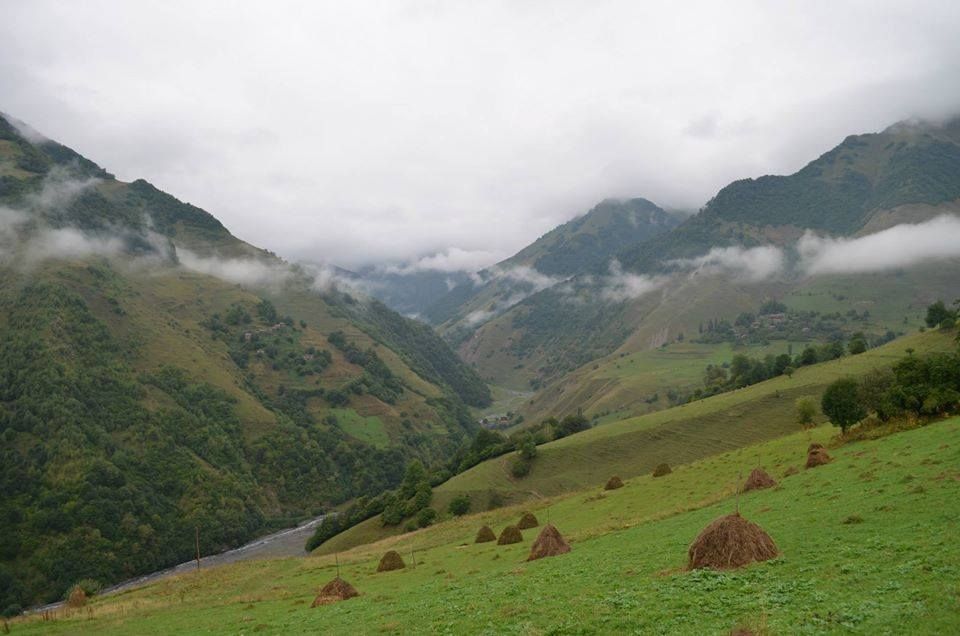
column 868, row 545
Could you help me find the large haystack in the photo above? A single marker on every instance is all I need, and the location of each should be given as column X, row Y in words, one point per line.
column 730, row 542
column 814, row 446
column 661, row 470
column 77, row 597
column 758, row 480
column 613, row 483
column 335, row 590
column 527, row 521
column 391, row 561
column 818, row 457
column 549, row 543
column 485, row 534
column 510, row 534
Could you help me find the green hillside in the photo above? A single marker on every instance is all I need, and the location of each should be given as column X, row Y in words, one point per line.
column 866, row 545
column 141, row 399
column 679, row 435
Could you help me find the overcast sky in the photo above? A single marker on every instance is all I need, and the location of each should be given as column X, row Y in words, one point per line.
column 355, row 132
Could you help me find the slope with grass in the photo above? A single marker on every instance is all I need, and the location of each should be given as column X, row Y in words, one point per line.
column 867, row 545
column 634, row 446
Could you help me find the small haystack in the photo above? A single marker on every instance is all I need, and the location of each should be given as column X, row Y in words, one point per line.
column 818, row 457
column 758, row 480
column 485, row 534
column 510, row 534
column 527, row 521
column 814, row 446
column 730, row 542
column 661, row 470
column 77, row 597
column 613, row 483
column 549, row 543
column 335, row 590
column 391, row 561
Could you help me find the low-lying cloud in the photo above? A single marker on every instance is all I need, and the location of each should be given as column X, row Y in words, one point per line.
column 621, row 285
column 453, row 259
column 242, row 271
column 752, row 264
column 899, row 246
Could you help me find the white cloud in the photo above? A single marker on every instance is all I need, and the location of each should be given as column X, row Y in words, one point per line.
column 751, row 264
column 899, row 246
column 243, row 271
column 621, row 285
column 379, row 132
column 453, row 259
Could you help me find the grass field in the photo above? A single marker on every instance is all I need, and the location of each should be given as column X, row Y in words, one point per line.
column 868, row 545
column 679, row 435
column 366, row 429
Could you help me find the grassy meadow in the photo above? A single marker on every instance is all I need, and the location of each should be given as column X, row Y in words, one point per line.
column 868, row 545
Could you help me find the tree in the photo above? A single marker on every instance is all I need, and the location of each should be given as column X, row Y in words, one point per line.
column 528, row 448
column 426, row 517
column 806, row 411
column 841, row 403
column 571, row 424
column 460, row 505
column 937, row 313
column 857, row 345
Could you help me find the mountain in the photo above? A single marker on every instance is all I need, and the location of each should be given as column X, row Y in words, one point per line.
column 409, row 291
column 739, row 251
column 584, row 244
column 160, row 377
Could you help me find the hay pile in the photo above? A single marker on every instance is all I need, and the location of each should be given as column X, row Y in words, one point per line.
column 758, row 480
column 818, row 457
column 661, row 470
column 814, row 446
column 730, row 542
column 77, row 597
column 549, row 543
column 613, row 483
column 485, row 534
column 391, row 561
column 527, row 521
column 335, row 590
column 510, row 534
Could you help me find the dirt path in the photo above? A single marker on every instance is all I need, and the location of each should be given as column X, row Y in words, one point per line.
column 285, row 543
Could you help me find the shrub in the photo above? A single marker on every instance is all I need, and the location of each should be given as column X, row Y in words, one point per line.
column 426, row 517
column 12, row 610
column 806, row 411
column 520, row 467
column 460, row 505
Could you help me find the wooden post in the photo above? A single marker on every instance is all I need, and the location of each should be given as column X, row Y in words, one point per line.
column 197, row 528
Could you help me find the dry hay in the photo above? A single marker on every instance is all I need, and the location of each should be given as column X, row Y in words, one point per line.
column 793, row 470
column 549, row 543
column 814, row 446
column 485, row 534
column 527, row 521
column 77, row 597
column 818, row 457
column 335, row 590
column 613, row 483
column 510, row 534
column 661, row 470
column 730, row 542
column 391, row 561
column 758, row 480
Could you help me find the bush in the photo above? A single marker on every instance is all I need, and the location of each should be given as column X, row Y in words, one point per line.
column 841, row 403
column 460, row 505
column 426, row 517
column 806, row 411
column 520, row 467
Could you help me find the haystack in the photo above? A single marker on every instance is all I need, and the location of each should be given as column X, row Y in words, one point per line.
column 510, row 534
column 527, row 521
column 391, row 561
column 758, row 480
column 335, row 590
column 77, row 597
column 661, row 470
column 485, row 534
column 818, row 457
column 730, row 542
column 613, row 483
column 549, row 543
column 814, row 446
